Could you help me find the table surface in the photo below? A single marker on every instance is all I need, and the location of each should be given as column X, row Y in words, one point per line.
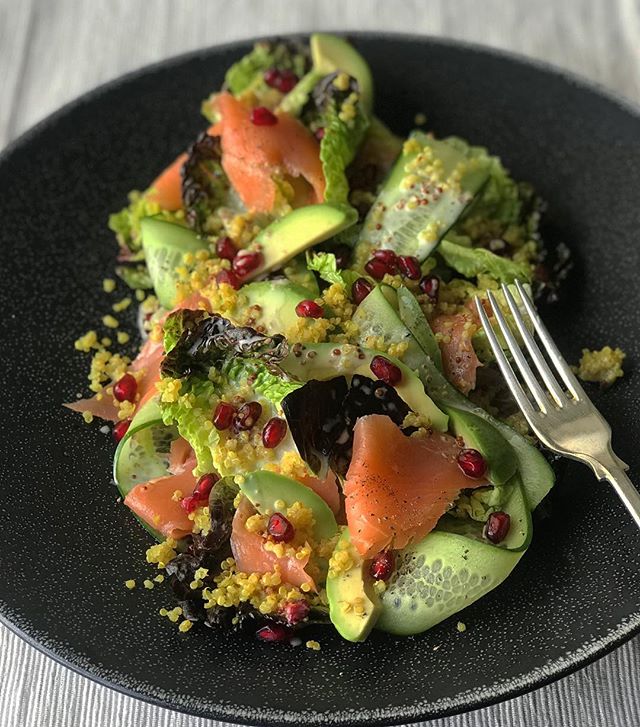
column 52, row 51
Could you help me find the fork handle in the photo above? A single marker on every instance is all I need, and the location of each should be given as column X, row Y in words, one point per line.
column 616, row 475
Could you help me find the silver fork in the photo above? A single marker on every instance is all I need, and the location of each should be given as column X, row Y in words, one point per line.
column 562, row 417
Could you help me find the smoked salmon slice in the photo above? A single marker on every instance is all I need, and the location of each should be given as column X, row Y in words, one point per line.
column 398, row 487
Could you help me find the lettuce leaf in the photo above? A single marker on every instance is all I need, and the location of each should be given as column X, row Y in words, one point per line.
column 474, row 261
column 136, row 277
column 126, row 222
column 265, row 54
column 325, row 264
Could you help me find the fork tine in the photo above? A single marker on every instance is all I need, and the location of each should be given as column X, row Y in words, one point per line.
column 535, row 353
column 509, row 376
column 525, row 370
column 552, row 350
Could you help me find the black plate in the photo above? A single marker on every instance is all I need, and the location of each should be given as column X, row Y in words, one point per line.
column 66, row 547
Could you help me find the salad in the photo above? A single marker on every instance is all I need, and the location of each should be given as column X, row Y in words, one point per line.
column 313, row 428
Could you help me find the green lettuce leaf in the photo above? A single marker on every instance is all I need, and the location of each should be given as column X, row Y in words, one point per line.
column 136, row 277
column 325, row 264
column 250, row 68
column 474, row 261
column 126, row 223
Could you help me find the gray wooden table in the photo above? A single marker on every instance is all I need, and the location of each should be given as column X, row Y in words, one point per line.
column 53, row 50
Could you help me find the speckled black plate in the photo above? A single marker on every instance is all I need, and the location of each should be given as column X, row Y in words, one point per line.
column 66, row 547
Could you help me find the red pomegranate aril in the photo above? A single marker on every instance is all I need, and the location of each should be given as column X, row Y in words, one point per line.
column 385, row 370
column 272, row 77
column 295, row 611
column 497, row 527
column 376, row 268
column 274, row 432
column 247, row 415
column 360, row 290
column 261, row 116
column 228, row 277
column 223, row 416
column 387, row 256
column 287, row 81
column 125, row 388
column 382, row 566
column 274, row 632
column 246, row 262
column 409, row 267
column 309, row 309
column 190, row 503
column 280, row 529
column 430, row 285
column 120, row 429
column 472, row 463
column 204, row 485
column 226, row 249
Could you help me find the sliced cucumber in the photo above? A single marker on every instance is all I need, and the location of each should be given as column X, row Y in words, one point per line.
column 165, row 244
column 439, row 576
column 414, row 319
column 521, row 527
column 418, row 203
column 272, row 304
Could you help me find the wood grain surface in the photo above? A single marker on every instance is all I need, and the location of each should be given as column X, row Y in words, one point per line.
column 53, row 50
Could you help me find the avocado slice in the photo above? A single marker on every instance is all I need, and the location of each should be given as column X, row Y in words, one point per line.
column 330, row 53
column 324, row 361
column 479, row 434
column 264, row 489
column 298, row 230
column 351, row 588
column 439, row 576
column 430, row 186
column 272, row 303
column 165, row 244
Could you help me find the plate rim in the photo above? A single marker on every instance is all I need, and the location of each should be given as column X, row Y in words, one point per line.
column 467, row 701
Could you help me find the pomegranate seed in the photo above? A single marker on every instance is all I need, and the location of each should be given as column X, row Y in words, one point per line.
column 376, row 268
column 190, row 503
column 319, row 133
column 261, row 116
column 497, row 527
column 309, row 309
column 382, row 566
column 125, row 389
column 280, row 529
column 472, row 463
column 273, row 632
column 409, row 266
column 120, row 429
column 274, row 432
column 246, row 262
column 247, row 415
column 430, row 285
column 204, row 485
column 360, row 290
column 226, row 249
column 288, row 80
column 228, row 277
column 272, row 77
column 388, row 257
column 386, row 371
column 295, row 611
column 223, row 416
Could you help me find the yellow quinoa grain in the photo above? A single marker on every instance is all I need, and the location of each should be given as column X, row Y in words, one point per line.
column 108, row 285
column 110, row 322
column 121, row 305
column 185, row 626
column 462, row 627
column 122, row 337
column 311, row 644
column 148, row 584
column 159, row 578
column 140, row 295
column 130, row 584
column 87, row 416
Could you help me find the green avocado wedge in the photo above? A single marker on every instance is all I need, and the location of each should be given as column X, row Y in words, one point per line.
column 298, row 230
column 354, row 606
column 165, row 244
column 264, row 489
column 330, row 53
column 439, row 576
